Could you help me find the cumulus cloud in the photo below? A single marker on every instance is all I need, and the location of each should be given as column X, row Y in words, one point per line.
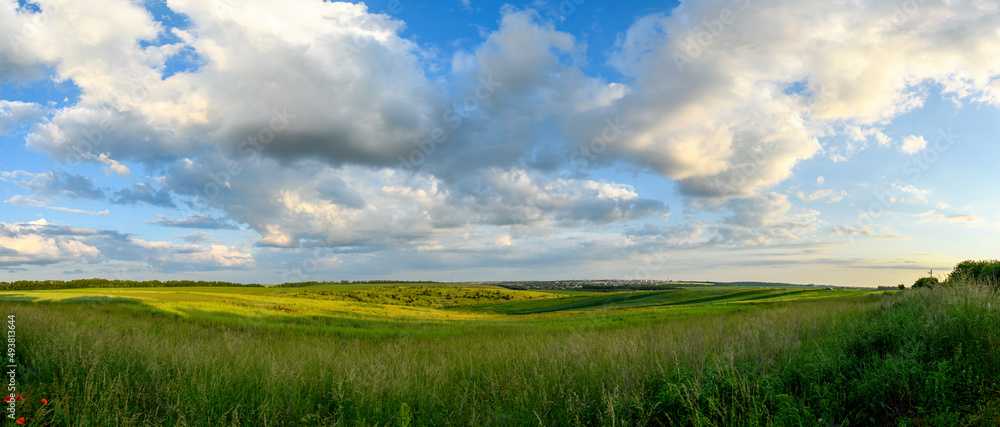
column 765, row 220
column 29, row 244
column 714, row 104
column 331, row 85
column 15, row 113
column 18, row 60
column 110, row 165
column 42, row 243
column 325, row 79
column 400, row 209
column 171, row 257
column 913, row 144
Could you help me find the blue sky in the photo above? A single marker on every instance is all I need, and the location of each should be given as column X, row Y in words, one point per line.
column 848, row 143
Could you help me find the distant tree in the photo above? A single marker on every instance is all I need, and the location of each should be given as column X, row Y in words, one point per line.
column 926, row 282
column 902, row 286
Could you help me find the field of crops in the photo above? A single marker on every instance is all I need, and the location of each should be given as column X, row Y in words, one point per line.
column 412, row 354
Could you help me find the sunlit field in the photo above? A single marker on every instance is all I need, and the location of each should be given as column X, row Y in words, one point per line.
column 406, row 354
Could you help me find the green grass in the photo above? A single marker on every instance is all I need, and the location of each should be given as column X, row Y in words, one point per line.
column 649, row 299
column 425, row 296
column 370, row 356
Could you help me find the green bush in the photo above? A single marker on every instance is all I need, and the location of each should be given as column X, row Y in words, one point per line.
column 926, row 282
column 985, row 272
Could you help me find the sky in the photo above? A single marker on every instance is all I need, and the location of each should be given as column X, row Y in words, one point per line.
column 828, row 142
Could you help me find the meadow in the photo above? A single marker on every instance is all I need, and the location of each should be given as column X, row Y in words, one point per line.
column 456, row 354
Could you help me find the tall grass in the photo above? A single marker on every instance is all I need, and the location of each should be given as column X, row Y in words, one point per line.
column 929, row 356
column 921, row 357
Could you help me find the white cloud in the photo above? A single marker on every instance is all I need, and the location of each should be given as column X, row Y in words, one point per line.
column 14, row 113
column 110, row 165
column 24, row 244
column 42, row 243
column 403, row 210
column 701, row 118
column 309, row 54
column 831, row 195
column 913, row 144
column 849, row 230
column 883, row 139
column 954, row 218
column 43, row 202
column 909, row 193
column 170, row 256
column 759, row 221
column 861, row 230
column 19, row 61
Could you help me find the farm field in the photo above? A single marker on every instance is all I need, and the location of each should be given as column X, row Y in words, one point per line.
column 433, row 354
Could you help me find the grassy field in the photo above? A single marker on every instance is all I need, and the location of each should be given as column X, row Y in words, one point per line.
column 412, row 354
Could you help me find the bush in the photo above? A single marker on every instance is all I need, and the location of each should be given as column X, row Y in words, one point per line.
column 986, row 272
column 926, row 282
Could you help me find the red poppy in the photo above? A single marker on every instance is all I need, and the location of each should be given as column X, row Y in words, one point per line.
column 20, row 420
column 6, row 399
column 45, row 402
column 19, row 397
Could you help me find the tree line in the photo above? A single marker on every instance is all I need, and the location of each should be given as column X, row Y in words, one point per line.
column 24, row 285
column 349, row 282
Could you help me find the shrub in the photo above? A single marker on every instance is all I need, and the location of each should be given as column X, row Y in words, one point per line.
column 985, row 272
column 926, row 282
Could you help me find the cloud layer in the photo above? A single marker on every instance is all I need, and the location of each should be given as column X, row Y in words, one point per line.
column 317, row 124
